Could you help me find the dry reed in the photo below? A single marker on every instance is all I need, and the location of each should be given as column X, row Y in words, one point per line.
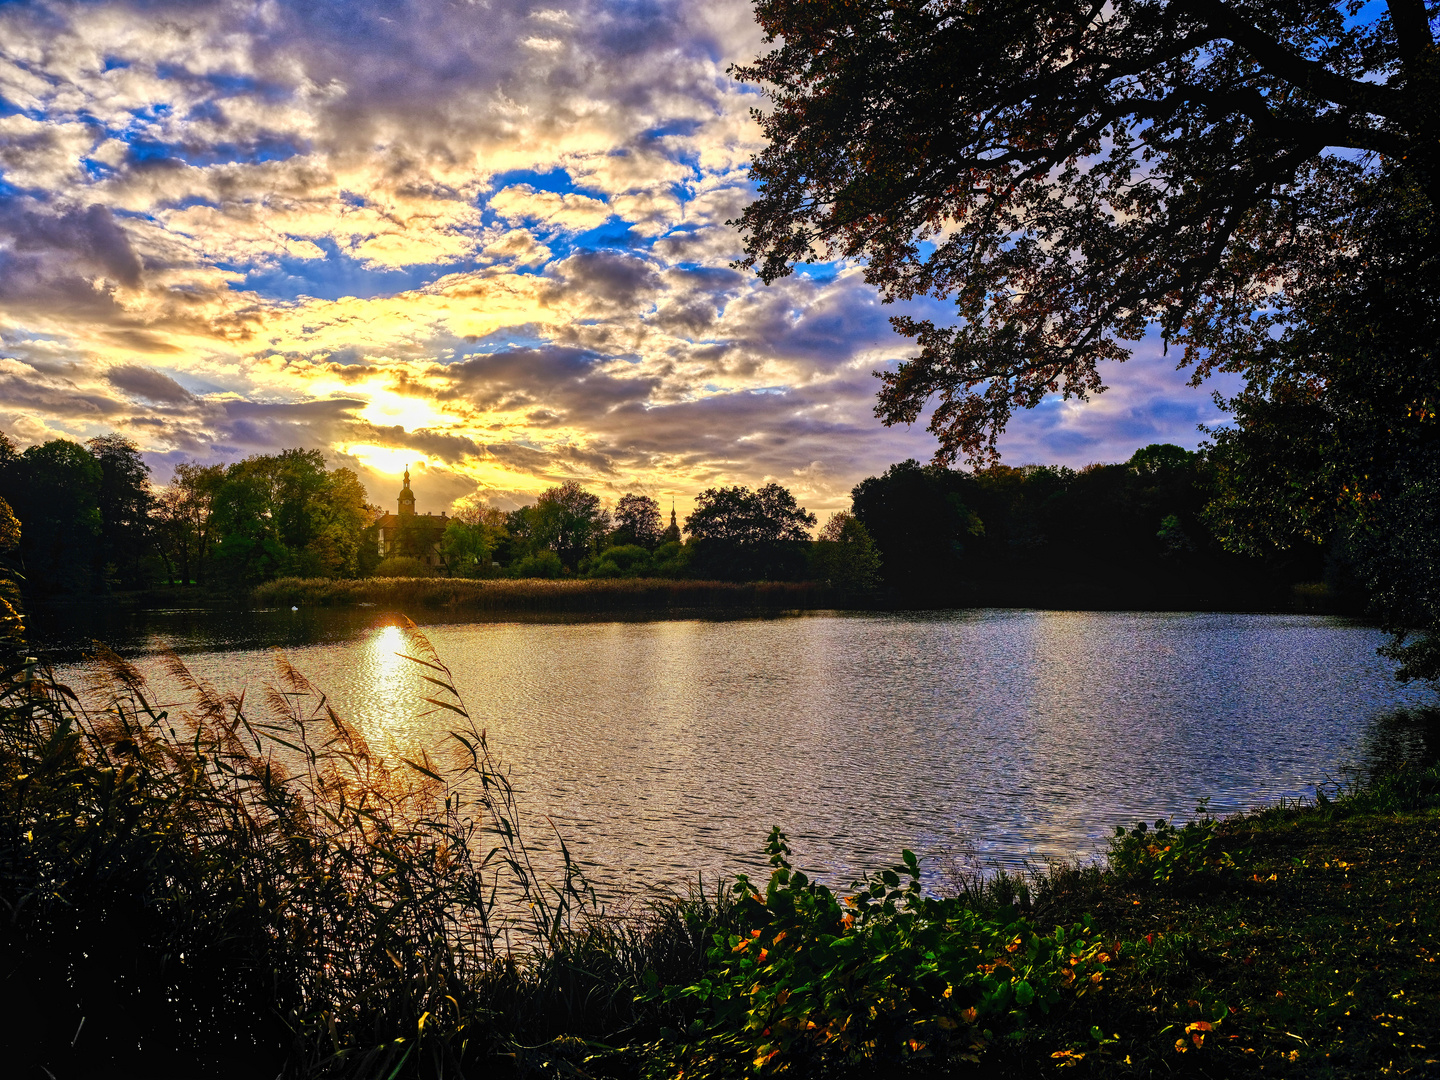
column 538, row 594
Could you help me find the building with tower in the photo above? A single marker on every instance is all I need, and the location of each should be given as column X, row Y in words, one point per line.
column 672, row 534
column 406, row 533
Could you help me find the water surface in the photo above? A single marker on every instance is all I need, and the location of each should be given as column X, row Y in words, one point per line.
column 663, row 749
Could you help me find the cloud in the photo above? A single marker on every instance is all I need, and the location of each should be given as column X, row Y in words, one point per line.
column 148, row 384
column 569, row 211
column 488, row 239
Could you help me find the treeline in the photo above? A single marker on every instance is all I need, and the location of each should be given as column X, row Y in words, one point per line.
column 1142, row 533
column 734, row 534
column 92, row 522
column 1146, row 532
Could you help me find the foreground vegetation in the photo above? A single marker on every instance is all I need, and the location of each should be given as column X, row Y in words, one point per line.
column 232, row 888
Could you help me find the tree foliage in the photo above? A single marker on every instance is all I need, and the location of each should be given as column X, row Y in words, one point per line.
column 464, row 549
column 1072, row 173
column 637, row 521
column 126, row 501
column 54, row 489
column 1128, row 535
column 1336, row 440
column 183, row 519
column 569, row 521
column 286, row 513
column 745, row 534
column 844, row 554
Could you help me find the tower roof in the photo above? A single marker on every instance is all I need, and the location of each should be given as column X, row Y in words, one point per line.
column 405, row 492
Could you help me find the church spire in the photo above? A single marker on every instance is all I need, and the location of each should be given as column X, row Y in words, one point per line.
column 407, row 497
column 672, row 534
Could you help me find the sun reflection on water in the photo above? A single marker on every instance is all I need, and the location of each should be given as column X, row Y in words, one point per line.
column 387, row 693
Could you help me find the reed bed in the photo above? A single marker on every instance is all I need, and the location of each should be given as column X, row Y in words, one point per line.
column 540, row 594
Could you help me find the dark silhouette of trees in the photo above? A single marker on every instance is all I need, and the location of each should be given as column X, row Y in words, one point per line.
column 637, row 521
column 919, row 521
column 128, row 541
column 745, row 535
column 1336, row 441
column 1072, row 174
column 54, row 489
column 1130, row 534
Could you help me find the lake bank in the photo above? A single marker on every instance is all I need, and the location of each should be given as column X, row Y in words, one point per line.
column 539, row 594
column 620, row 595
column 502, row 598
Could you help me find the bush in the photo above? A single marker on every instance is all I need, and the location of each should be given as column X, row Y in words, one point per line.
column 882, row 976
column 673, row 560
column 626, row 560
column 543, row 564
column 403, row 566
column 1160, row 853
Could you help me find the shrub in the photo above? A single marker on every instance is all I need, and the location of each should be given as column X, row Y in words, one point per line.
column 543, row 564
column 884, row 975
column 673, row 560
column 402, row 566
column 1160, row 853
column 626, row 560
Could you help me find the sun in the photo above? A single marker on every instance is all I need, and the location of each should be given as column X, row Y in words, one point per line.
column 387, row 409
column 385, row 459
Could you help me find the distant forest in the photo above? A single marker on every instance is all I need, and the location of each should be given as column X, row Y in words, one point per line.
column 1146, row 532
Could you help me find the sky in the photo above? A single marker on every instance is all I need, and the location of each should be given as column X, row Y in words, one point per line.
column 484, row 238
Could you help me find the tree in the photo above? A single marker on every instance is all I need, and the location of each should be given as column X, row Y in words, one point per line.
column 569, row 521
column 338, row 515
column 245, row 513
column 742, row 534
column 286, row 514
column 845, row 555
column 55, row 492
column 464, row 549
column 183, row 518
column 637, row 521
column 1074, row 173
column 519, row 537
column 919, row 520
column 1336, row 440
column 128, row 543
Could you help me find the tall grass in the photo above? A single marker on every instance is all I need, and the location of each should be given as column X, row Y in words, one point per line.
column 243, row 888
column 538, row 594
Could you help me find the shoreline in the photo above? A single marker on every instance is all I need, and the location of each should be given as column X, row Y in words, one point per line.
column 671, row 597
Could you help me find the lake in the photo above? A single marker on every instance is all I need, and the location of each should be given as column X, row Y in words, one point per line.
column 666, row 749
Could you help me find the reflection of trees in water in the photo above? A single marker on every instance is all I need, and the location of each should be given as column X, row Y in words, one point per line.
column 1406, row 737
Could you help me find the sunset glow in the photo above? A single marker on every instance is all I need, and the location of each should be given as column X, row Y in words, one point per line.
column 487, row 237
